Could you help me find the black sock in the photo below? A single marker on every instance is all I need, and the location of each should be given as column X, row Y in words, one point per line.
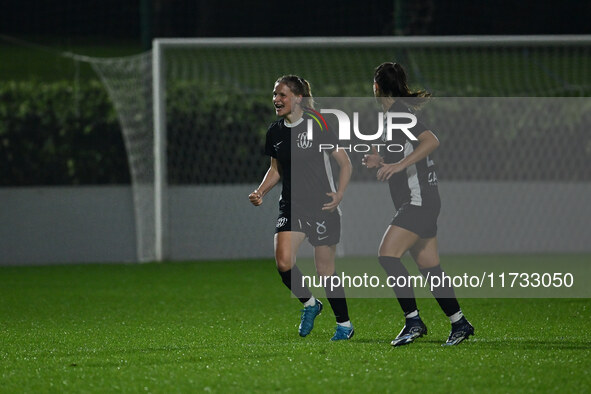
column 294, row 276
column 444, row 294
column 406, row 295
column 337, row 300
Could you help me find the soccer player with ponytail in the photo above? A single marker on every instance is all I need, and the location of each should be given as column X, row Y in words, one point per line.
column 413, row 187
column 309, row 204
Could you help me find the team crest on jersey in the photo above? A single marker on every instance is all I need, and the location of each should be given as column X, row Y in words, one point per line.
column 303, row 141
column 281, row 222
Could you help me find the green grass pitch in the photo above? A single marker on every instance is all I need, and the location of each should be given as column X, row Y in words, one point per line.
column 230, row 326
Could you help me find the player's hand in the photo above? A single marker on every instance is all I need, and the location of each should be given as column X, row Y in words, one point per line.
column 256, row 198
column 332, row 205
column 372, row 160
column 387, row 170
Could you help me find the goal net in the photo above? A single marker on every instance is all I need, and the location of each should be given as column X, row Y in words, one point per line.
column 194, row 113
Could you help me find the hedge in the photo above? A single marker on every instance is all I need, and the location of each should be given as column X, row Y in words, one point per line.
column 57, row 134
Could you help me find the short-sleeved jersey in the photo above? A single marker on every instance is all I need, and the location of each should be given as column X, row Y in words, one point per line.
column 305, row 170
column 417, row 184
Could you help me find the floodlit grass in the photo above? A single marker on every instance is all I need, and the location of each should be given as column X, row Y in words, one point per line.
column 232, row 326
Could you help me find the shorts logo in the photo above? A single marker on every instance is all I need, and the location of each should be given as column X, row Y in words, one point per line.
column 303, row 141
column 320, row 228
column 281, row 222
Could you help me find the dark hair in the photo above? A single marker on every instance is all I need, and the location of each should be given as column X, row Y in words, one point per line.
column 299, row 86
column 391, row 79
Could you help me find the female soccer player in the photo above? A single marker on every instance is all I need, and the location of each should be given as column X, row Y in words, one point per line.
column 413, row 186
column 309, row 204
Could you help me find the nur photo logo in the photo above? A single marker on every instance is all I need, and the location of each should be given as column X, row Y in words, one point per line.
column 388, row 123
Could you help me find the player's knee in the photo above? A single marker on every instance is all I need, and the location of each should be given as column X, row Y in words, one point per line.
column 390, row 251
column 283, row 261
column 325, row 270
column 427, row 263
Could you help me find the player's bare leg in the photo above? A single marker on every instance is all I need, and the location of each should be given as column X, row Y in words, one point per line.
column 286, row 245
column 396, row 241
column 425, row 252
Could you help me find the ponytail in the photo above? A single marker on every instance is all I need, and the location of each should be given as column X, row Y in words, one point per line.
column 391, row 79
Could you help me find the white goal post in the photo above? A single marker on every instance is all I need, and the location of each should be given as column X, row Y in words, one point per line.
column 179, row 71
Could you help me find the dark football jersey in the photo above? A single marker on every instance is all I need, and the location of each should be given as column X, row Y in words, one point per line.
column 306, row 171
column 417, row 184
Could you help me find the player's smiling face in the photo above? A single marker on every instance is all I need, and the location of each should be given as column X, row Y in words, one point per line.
column 283, row 99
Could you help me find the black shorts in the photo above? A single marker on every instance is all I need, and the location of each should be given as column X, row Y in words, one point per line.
column 420, row 220
column 324, row 229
